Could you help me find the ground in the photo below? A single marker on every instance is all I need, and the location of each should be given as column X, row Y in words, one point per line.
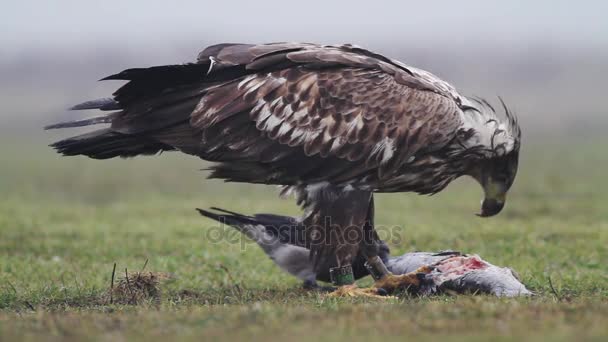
column 64, row 222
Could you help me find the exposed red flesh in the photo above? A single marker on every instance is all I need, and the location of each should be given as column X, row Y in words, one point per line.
column 454, row 267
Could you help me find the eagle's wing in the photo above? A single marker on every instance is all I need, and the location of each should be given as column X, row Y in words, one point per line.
column 292, row 114
column 308, row 113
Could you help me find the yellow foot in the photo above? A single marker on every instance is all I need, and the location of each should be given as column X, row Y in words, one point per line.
column 354, row 291
column 391, row 282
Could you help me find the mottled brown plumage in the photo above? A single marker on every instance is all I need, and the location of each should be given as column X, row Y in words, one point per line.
column 331, row 123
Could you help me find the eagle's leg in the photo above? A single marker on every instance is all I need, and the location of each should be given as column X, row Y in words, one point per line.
column 342, row 276
column 347, row 288
column 370, row 247
column 351, row 222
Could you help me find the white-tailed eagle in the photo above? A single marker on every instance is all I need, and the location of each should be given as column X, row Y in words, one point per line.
column 331, row 124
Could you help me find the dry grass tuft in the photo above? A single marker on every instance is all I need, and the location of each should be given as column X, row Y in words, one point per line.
column 136, row 288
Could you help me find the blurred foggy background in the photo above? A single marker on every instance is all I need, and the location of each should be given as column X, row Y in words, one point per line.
column 547, row 59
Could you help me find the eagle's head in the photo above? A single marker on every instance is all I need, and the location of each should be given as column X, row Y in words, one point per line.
column 495, row 142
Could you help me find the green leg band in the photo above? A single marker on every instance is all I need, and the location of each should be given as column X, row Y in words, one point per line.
column 342, row 275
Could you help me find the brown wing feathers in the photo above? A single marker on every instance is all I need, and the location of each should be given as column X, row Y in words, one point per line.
column 352, row 110
column 288, row 114
column 293, row 112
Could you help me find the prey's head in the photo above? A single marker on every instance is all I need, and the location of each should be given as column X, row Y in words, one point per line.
column 495, row 142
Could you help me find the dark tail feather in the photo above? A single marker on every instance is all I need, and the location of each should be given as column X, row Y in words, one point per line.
column 151, row 82
column 250, row 172
column 181, row 73
column 290, row 258
column 101, row 104
column 84, row 122
column 244, row 224
column 287, row 229
column 227, row 217
column 271, row 222
column 104, row 144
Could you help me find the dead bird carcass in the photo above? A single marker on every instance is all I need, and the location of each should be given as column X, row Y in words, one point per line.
column 282, row 239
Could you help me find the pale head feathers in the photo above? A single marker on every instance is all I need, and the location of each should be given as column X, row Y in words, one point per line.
column 496, row 135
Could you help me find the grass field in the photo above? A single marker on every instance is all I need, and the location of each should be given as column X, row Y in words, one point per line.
column 64, row 222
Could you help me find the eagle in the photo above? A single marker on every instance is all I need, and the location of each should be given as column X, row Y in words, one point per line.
column 330, row 124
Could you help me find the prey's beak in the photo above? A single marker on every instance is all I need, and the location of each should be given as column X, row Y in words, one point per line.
column 494, row 201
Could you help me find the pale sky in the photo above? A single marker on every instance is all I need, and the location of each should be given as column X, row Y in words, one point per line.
column 53, row 50
column 28, row 24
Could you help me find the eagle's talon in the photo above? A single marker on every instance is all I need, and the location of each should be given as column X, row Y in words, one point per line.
column 354, row 291
column 410, row 281
column 425, row 269
column 381, row 292
column 313, row 286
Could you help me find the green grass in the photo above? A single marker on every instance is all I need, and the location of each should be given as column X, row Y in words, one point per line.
column 64, row 222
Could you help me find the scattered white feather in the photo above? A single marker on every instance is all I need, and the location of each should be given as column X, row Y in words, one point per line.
column 386, row 148
column 285, row 127
column 300, row 113
column 256, row 85
column 348, row 187
column 245, row 81
column 336, row 144
column 212, row 63
column 275, row 101
column 272, row 122
column 265, row 112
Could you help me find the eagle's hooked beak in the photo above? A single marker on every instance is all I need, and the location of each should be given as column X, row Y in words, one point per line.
column 494, row 201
